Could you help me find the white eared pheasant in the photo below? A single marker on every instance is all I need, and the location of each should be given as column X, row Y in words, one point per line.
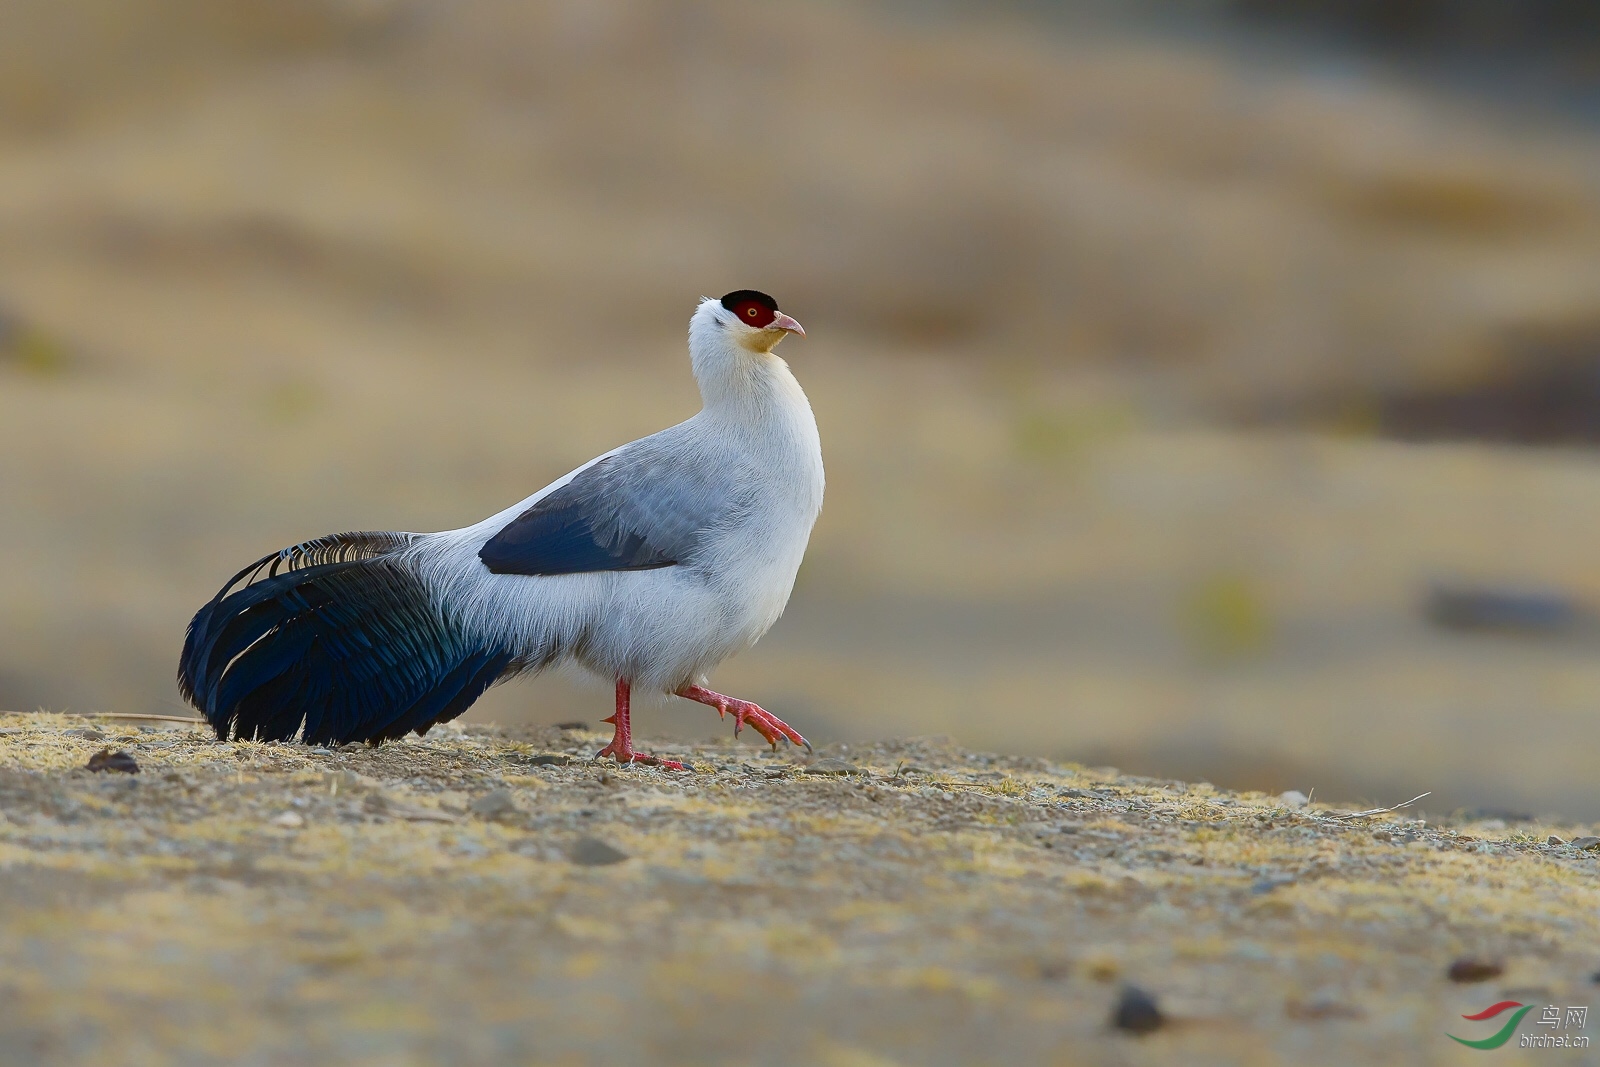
column 647, row 566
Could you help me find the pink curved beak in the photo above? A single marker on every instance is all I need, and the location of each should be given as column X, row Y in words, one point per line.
column 784, row 322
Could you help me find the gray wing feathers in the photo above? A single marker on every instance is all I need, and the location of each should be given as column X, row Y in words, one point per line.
column 648, row 505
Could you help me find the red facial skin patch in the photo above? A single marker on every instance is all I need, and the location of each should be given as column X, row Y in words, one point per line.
column 753, row 314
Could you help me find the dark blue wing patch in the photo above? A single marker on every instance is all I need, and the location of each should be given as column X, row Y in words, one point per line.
column 577, row 529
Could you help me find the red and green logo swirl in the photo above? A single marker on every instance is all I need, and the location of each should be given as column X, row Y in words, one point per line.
column 1496, row 1040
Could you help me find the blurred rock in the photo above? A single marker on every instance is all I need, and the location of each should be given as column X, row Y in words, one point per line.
column 1263, row 886
column 1137, row 1012
column 107, row 760
column 1471, row 969
column 833, row 766
column 1481, row 608
column 494, row 804
column 592, row 852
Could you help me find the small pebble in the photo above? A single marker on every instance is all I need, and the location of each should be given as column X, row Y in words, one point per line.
column 494, row 804
column 833, row 766
column 1471, row 969
column 289, row 820
column 107, row 760
column 550, row 760
column 574, row 725
column 88, row 733
column 1554, row 840
column 1293, row 799
column 1137, row 1012
column 591, row 852
column 1586, row 842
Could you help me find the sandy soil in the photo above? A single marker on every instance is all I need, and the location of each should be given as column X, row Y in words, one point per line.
column 462, row 899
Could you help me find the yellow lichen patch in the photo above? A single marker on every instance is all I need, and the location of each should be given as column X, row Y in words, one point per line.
column 832, row 1054
column 800, row 943
column 1088, row 882
column 941, row 980
column 586, row 928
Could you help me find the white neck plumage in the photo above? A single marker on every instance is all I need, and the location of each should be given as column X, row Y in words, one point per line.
column 737, row 382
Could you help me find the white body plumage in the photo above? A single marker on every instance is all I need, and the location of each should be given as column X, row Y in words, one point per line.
column 666, row 627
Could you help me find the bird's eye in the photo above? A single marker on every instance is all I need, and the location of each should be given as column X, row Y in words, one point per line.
column 751, row 312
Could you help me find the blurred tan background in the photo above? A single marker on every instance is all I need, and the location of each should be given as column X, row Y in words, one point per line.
column 1166, row 356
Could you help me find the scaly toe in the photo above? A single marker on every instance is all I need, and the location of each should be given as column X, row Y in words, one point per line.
column 639, row 757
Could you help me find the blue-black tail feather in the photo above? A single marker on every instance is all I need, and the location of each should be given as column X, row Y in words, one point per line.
column 333, row 640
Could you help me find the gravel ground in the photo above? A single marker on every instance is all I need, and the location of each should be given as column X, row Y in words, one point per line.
column 486, row 895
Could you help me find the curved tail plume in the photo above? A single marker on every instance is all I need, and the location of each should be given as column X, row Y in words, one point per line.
column 332, row 640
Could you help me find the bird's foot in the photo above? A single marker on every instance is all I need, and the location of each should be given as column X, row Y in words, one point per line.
column 745, row 713
column 626, row 756
column 621, row 746
column 621, row 750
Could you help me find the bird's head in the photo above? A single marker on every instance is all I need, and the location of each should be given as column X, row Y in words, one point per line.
column 750, row 320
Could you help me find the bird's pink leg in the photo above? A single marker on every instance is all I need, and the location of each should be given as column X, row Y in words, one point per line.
column 762, row 721
column 621, row 746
